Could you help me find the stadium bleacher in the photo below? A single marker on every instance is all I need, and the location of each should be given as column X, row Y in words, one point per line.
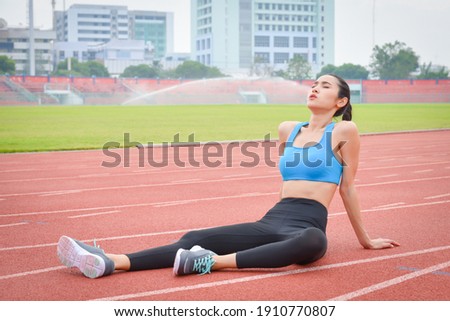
column 26, row 90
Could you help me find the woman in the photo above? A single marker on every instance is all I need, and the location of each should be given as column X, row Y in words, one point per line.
column 317, row 156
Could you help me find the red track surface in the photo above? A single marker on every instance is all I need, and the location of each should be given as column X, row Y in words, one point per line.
column 403, row 184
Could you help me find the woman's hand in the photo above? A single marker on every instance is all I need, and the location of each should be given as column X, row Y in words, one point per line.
column 378, row 244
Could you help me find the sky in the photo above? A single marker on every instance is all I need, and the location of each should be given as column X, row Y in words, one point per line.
column 422, row 25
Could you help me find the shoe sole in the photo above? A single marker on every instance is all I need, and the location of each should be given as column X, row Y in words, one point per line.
column 72, row 255
column 176, row 264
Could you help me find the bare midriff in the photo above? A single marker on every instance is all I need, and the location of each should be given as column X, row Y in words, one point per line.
column 319, row 191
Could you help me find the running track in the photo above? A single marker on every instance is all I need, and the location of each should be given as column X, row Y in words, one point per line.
column 403, row 182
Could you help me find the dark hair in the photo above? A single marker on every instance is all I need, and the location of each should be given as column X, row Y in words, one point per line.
column 344, row 91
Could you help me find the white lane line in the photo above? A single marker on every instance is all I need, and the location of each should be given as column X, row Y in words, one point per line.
column 436, row 196
column 138, row 186
column 246, row 174
column 20, row 170
column 183, row 202
column 183, row 181
column 389, row 205
column 93, row 175
column 158, row 170
column 26, row 247
column 200, row 228
column 385, row 176
column 388, row 159
column 58, row 193
column 93, row 214
column 195, row 200
column 269, row 275
column 393, row 207
column 404, row 181
column 17, row 275
column 423, row 171
column 194, row 182
column 13, row 224
column 401, row 166
column 391, row 282
column 155, row 204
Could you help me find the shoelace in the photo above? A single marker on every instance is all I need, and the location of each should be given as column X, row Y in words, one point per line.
column 203, row 265
column 97, row 246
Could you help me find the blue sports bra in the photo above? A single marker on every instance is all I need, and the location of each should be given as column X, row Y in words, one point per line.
column 314, row 163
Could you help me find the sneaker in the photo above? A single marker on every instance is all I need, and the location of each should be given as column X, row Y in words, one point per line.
column 90, row 260
column 195, row 260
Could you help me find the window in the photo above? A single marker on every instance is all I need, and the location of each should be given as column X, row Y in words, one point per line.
column 281, row 58
column 281, row 42
column 262, row 41
column 301, row 42
column 123, row 54
column 262, row 57
column 303, row 55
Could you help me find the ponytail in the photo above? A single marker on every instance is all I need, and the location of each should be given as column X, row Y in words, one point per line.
column 345, row 112
column 344, row 92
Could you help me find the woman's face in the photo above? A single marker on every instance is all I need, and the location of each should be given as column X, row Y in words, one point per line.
column 324, row 94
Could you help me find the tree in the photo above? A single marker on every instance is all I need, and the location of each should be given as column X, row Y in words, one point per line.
column 141, row 71
column 94, row 68
column 7, row 65
column 428, row 72
column 393, row 61
column 87, row 69
column 327, row 69
column 195, row 70
column 298, row 68
column 351, row 71
column 261, row 68
column 346, row 71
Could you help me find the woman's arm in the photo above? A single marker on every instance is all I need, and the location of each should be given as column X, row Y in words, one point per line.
column 349, row 150
column 284, row 130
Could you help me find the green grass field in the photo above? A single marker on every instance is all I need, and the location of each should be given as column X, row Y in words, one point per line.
column 24, row 129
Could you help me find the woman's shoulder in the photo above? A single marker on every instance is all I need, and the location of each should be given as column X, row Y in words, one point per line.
column 285, row 128
column 346, row 127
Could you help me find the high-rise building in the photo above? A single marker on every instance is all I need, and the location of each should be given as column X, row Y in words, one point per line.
column 235, row 34
column 92, row 23
column 14, row 43
column 96, row 24
column 153, row 27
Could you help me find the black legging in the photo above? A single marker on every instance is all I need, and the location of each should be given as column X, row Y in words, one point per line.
column 292, row 232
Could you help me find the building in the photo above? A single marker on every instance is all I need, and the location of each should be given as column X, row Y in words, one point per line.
column 172, row 61
column 92, row 24
column 96, row 24
column 15, row 43
column 153, row 27
column 117, row 55
column 233, row 35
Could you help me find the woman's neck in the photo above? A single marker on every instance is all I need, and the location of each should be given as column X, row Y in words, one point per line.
column 319, row 121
